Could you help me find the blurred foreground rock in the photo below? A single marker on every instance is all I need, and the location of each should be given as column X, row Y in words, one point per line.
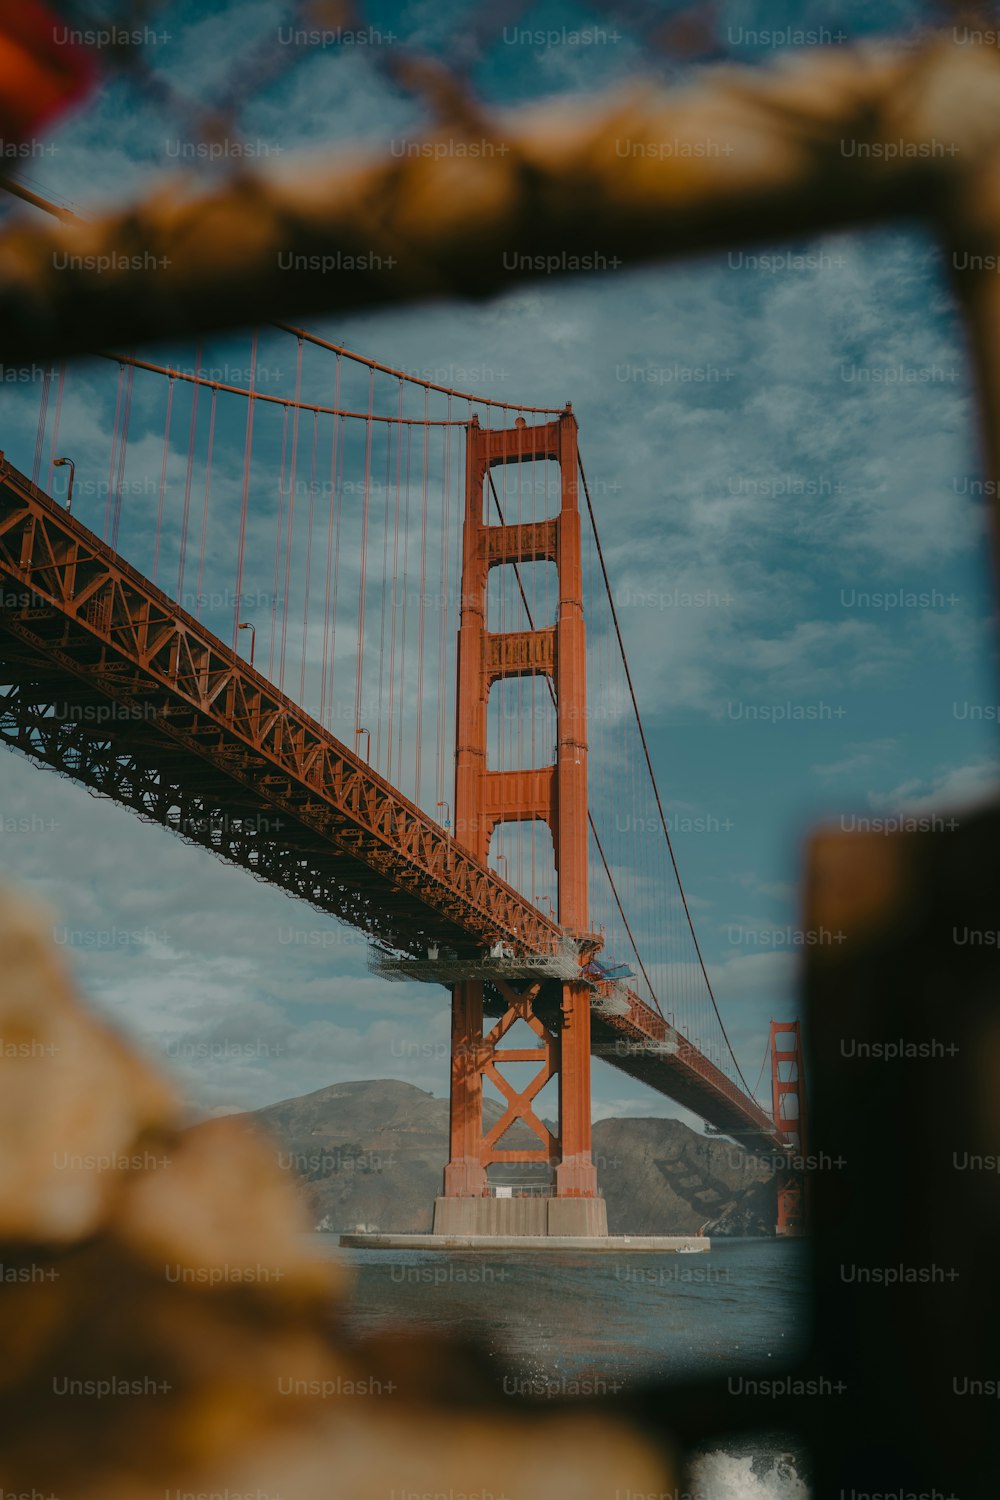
column 168, row 1331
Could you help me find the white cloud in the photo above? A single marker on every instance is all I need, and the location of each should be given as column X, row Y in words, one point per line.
column 858, row 757
column 761, row 487
column 950, row 788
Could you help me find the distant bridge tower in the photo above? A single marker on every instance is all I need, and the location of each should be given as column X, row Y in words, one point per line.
column 788, row 1109
column 557, row 1011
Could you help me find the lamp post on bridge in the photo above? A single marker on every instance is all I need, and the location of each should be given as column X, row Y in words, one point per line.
column 58, row 463
column 358, row 732
column 249, row 625
column 447, row 815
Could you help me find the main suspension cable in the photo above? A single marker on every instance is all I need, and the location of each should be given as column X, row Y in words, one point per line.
column 652, row 777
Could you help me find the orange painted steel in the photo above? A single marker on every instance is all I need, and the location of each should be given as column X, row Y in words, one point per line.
column 792, row 1127
column 556, row 794
column 239, row 390
column 108, row 681
column 428, row 385
column 102, row 630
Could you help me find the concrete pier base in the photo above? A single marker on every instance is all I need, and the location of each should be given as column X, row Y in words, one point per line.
column 584, row 1216
column 498, row 1224
column 605, row 1244
column 520, row 1217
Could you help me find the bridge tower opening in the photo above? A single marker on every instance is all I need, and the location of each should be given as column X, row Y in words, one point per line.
column 557, row 1011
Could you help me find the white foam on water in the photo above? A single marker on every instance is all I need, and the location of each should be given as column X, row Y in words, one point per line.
column 729, row 1476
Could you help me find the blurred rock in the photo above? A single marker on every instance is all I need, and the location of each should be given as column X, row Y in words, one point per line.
column 167, row 1331
column 75, row 1103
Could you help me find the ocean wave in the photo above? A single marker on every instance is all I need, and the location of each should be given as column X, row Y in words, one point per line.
column 729, row 1476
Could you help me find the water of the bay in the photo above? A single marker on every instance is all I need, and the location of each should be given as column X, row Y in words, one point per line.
column 563, row 1323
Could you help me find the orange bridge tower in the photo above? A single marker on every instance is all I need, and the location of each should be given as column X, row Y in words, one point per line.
column 557, row 1009
column 788, row 1109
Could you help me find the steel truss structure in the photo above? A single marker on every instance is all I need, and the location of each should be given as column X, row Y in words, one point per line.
column 108, row 681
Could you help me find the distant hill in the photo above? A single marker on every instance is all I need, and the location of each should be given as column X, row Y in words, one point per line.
column 372, row 1153
column 662, row 1177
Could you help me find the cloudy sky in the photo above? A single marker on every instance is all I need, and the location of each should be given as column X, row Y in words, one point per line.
column 784, row 468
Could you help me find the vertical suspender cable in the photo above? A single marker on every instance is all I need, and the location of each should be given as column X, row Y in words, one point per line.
column 339, row 510
column 406, row 610
column 277, row 545
column 333, row 533
column 382, row 703
column 420, row 609
column 442, row 610
column 122, row 454
column 185, row 516
column 54, row 449
column 204, row 513
column 286, row 600
column 40, row 435
column 114, row 452
column 325, row 664
column 309, row 533
column 395, row 579
column 363, row 578
column 163, row 478
column 245, row 489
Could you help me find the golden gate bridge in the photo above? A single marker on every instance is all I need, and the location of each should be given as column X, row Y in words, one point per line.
column 366, row 646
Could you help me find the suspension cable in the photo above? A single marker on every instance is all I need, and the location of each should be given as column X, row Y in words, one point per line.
column 428, row 385
column 69, row 216
column 236, row 390
column 652, row 777
column 767, row 1051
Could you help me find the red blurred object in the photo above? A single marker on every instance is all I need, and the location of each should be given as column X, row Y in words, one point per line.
column 692, row 34
column 41, row 69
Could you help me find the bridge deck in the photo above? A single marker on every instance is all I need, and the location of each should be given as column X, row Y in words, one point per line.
column 106, row 679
